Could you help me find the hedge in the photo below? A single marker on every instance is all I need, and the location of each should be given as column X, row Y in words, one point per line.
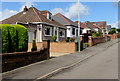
column 22, row 35
column 14, row 38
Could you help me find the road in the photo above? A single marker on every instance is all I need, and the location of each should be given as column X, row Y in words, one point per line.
column 101, row 66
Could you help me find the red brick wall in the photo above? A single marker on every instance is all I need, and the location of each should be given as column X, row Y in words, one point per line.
column 113, row 36
column 98, row 40
column 14, row 60
column 39, row 46
column 94, row 41
column 57, row 47
column 118, row 35
column 63, row 47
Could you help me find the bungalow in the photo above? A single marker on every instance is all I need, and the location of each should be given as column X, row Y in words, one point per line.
column 72, row 28
column 41, row 26
column 102, row 25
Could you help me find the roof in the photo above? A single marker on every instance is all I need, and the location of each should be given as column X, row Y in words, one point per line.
column 82, row 25
column 32, row 15
column 63, row 20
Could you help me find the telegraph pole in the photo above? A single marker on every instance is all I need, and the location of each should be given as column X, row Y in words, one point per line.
column 79, row 26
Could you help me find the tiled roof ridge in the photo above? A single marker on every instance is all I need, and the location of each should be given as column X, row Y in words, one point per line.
column 36, row 14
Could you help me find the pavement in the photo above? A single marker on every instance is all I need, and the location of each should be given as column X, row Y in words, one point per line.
column 47, row 68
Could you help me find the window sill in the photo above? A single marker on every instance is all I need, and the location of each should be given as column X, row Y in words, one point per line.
column 48, row 35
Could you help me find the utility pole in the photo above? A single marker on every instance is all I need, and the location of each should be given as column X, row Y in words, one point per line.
column 79, row 26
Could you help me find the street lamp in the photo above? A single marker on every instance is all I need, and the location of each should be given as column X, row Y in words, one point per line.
column 78, row 25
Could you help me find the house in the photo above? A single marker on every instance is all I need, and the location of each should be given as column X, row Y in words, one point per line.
column 72, row 28
column 41, row 26
column 88, row 27
column 108, row 28
column 102, row 25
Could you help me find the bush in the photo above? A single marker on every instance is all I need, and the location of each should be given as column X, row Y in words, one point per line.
column 112, row 31
column 68, row 39
column 22, row 39
column 54, row 38
column 8, row 38
column 34, row 47
column 94, row 35
column 11, row 38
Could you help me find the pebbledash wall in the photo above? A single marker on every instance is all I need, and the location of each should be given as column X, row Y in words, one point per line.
column 11, row 61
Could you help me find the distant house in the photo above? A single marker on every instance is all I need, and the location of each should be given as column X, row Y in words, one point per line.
column 41, row 26
column 108, row 28
column 88, row 27
column 72, row 28
column 102, row 25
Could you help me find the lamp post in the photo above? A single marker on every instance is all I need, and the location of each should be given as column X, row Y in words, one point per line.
column 78, row 25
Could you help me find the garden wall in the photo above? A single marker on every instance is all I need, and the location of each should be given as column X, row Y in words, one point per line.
column 38, row 44
column 11, row 61
column 63, row 47
column 94, row 41
column 113, row 36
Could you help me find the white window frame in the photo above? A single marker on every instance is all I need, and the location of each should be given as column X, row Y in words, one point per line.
column 50, row 31
column 62, row 31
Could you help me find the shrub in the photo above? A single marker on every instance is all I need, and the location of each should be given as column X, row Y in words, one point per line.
column 12, row 37
column 94, row 35
column 68, row 39
column 54, row 38
column 22, row 39
column 8, row 38
column 112, row 31
column 34, row 47
column 72, row 39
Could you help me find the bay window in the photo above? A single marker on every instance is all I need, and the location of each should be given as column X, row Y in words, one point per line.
column 48, row 31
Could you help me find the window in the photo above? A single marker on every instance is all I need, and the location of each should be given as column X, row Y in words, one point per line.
column 48, row 31
column 49, row 16
column 73, row 31
column 62, row 33
column 35, row 34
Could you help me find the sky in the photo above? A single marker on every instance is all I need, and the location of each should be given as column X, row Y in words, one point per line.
column 89, row 11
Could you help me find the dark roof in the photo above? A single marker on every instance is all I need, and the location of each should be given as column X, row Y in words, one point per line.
column 32, row 15
column 63, row 20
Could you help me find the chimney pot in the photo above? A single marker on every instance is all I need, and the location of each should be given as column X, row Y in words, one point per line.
column 25, row 9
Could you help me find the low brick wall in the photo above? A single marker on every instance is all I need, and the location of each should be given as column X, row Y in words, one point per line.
column 98, row 40
column 113, row 36
column 39, row 46
column 63, row 47
column 94, row 41
column 11, row 61
column 118, row 35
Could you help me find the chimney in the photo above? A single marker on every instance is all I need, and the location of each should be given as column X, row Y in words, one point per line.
column 25, row 9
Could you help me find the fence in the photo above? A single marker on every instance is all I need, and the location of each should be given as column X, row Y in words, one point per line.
column 11, row 61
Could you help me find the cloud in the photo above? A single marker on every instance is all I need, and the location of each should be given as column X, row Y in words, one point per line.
column 72, row 11
column 28, row 4
column 116, row 24
column 7, row 13
column 57, row 10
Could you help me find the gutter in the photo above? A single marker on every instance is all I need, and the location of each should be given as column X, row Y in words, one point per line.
column 47, row 24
